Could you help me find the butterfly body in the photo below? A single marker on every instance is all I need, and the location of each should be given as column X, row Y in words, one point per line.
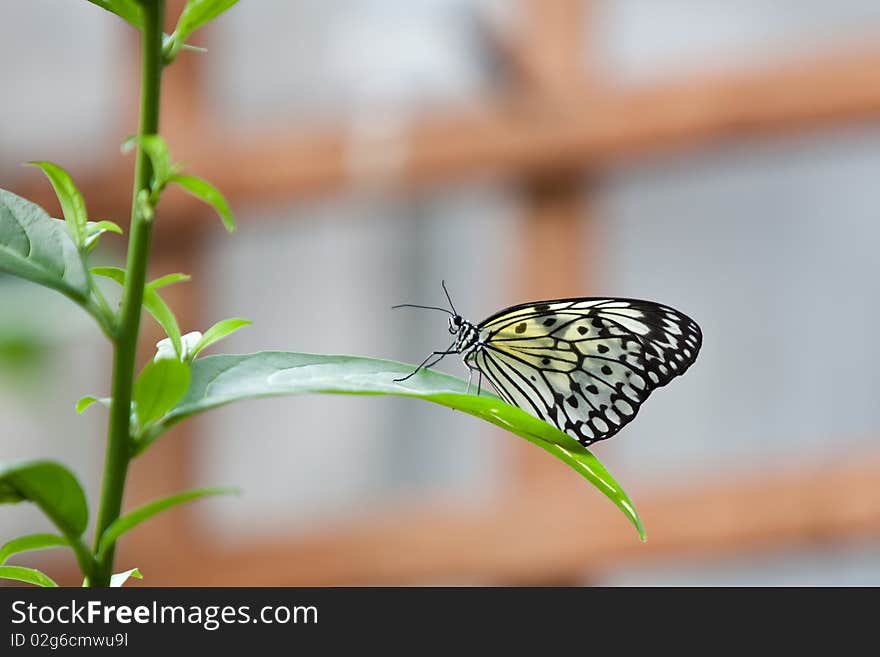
column 583, row 364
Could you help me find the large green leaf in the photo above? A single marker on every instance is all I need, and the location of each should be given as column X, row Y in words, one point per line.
column 36, row 247
column 50, row 486
column 218, row 380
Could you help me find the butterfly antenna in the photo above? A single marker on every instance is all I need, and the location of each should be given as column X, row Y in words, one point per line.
column 448, row 298
column 412, row 305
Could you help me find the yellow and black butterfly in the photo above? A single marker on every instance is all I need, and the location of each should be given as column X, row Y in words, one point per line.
column 585, row 365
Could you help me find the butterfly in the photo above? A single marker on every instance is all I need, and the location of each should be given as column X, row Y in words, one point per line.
column 585, row 365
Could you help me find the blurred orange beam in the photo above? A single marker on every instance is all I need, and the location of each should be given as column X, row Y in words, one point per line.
column 527, row 539
column 589, row 132
column 593, row 129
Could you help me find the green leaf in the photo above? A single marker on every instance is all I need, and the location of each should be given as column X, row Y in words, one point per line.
column 160, row 158
column 50, row 486
column 217, row 332
column 168, row 279
column 84, row 402
column 113, row 273
column 160, row 310
column 162, row 314
column 158, row 388
column 128, row 10
column 205, row 191
column 29, row 575
column 133, row 518
column 31, row 542
column 218, row 380
column 195, row 14
column 94, row 230
column 72, row 204
column 118, row 579
column 152, row 301
column 39, row 248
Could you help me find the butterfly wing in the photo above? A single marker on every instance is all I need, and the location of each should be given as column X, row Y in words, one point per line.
column 585, row 365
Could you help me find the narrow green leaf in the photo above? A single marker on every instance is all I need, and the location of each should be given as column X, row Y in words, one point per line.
column 29, row 543
column 205, row 191
column 159, row 386
column 118, row 579
column 94, row 230
column 195, row 14
column 50, row 486
column 218, row 380
column 29, row 575
column 162, row 314
column 39, row 248
column 217, row 332
column 152, row 302
column 168, row 279
column 72, row 204
column 133, row 518
column 128, row 10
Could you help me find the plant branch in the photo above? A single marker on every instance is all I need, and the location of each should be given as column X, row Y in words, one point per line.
column 125, row 352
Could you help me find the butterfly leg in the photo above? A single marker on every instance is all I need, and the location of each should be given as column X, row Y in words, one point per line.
column 426, row 365
column 470, row 376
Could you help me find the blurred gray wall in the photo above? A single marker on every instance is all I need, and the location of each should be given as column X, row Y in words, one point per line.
column 769, row 246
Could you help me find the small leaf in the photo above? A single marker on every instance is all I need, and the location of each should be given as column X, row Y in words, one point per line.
column 29, row 543
column 218, row 380
column 152, row 302
column 84, row 402
column 160, row 158
column 133, row 518
column 205, row 191
column 50, row 486
column 158, row 388
column 195, row 14
column 118, row 579
column 29, row 575
column 72, row 204
column 39, row 248
column 217, row 332
column 113, row 273
column 162, row 314
column 128, row 10
column 168, row 279
column 94, row 230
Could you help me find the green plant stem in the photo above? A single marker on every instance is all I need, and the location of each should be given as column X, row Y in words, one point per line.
column 125, row 352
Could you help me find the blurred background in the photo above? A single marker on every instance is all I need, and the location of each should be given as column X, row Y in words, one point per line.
column 719, row 157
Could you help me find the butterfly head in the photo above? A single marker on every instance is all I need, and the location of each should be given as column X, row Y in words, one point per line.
column 455, row 323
